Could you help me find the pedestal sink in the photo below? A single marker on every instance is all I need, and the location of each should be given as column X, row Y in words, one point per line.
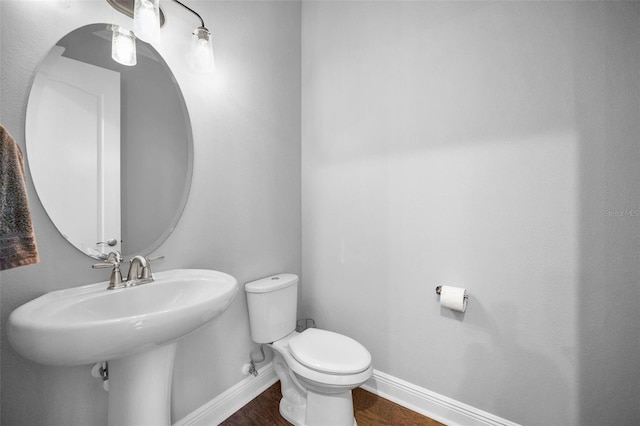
column 135, row 329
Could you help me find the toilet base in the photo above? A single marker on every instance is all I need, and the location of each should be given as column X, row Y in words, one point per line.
column 294, row 414
column 320, row 410
column 333, row 409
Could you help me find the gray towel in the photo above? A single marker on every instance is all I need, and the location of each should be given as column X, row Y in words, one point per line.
column 17, row 239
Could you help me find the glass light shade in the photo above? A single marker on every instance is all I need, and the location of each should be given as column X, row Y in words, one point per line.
column 201, row 58
column 146, row 20
column 123, row 46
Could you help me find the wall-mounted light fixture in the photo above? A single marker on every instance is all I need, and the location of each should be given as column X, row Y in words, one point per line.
column 201, row 56
column 148, row 18
column 127, row 6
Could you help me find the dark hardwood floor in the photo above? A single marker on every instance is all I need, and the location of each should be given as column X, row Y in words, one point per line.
column 370, row 410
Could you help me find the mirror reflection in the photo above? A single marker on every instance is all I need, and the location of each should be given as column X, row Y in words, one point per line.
column 109, row 146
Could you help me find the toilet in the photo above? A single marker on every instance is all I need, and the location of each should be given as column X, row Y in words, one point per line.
column 317, row 368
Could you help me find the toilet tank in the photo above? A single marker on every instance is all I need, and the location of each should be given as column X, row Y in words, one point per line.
column 272, row 304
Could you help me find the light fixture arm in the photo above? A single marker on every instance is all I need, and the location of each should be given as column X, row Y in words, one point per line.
column 192, row 11
column 201, row 57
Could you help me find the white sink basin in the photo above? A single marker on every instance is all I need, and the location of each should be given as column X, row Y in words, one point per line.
column 88, row 324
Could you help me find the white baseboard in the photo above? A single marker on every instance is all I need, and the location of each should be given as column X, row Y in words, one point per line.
column 224, row 405
column 431, row 404
column 420, row 400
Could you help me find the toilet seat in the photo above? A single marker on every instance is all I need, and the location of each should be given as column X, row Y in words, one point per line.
column 312, row 375
column 328, row 352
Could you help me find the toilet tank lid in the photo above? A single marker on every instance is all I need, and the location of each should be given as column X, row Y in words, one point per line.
column 272, row 283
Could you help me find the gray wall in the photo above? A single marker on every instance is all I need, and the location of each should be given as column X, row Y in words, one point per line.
column 243, row 214
column 486, row 145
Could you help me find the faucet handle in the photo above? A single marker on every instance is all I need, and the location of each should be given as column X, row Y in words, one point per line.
column 146, row 271
column 103, row 265
column 113, row 261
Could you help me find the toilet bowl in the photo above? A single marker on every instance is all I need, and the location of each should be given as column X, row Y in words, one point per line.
column 317, row 368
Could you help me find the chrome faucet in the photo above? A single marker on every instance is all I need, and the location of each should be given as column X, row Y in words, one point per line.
column 139, row 270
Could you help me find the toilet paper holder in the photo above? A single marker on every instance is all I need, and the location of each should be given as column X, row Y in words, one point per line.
column 439, row 290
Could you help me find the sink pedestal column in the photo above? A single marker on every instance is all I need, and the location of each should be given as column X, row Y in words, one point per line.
column 140, row 388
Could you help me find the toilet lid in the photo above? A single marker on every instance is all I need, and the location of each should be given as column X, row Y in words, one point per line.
column 329, row 352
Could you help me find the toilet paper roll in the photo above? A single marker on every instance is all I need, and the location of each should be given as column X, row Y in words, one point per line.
column 453, row 298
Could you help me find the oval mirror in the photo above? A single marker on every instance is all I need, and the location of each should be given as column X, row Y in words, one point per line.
column 109, row 146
